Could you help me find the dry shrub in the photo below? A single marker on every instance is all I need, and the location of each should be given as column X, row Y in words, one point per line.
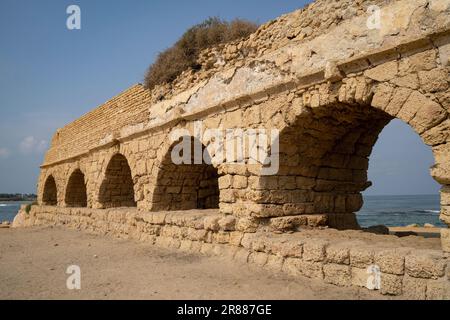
column 184, row 53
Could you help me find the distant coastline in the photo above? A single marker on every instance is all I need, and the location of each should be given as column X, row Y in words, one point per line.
column 6, row 197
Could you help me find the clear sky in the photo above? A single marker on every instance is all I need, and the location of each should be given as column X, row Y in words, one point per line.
column 50, row 76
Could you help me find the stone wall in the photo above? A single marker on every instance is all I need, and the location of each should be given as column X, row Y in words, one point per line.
column 413, row 269
column 327, row 131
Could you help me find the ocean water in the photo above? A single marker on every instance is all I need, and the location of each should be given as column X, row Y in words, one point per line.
column 400, row 211
column 390, row 211
column 8, row 210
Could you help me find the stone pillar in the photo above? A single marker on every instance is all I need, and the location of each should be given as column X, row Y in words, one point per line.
column 445, row 217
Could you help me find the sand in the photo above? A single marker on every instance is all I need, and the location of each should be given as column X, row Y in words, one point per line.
column 33, row 263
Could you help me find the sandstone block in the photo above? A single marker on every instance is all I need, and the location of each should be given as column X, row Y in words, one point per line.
column 240, row 182
column 291, row 266
column 391, row 284
column 227, row 223
column 337, row 274
column 383, row 72
column 438, row 290
column 186, row 245
column 292, row 249
column 241, row 256
column 247, row 225
column 361, row 257
column 391, row 261
column 434, row 80
column 414, row 288
column 311, row 269
column 212, row 223
column 258, row 258
column 225, row 182
column 221, row 237
column 236, row 238
column 382, row 96
column 445, row 240
column 274, row 263
column 314, row 250
column 338, row 254
column 425, row 264
column 288, row 223
column 207, row 249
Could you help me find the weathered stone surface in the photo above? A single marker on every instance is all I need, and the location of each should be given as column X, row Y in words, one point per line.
column 445, row 240
column 336, row 274
column 414, row 288
column 391, row 284
column 314, row 251
column 361, row 257
column 274, row 263
column 438, row 290
column 425, row 264
column 338, row 254
column 359, row 277
column 311, row 269
column 391, row 261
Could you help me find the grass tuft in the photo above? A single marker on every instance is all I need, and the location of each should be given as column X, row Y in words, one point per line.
column 184, row 53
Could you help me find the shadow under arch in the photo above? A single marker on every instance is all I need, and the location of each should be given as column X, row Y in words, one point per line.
column 50, row 192
column 192, row 184
column 76, row 194
column 117, row 188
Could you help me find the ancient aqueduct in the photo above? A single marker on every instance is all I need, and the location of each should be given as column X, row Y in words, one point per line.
column 329, row 83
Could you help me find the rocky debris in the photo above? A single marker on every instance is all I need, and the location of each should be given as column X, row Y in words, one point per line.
column 5, row 225
column 380, row 229
column 402, row 234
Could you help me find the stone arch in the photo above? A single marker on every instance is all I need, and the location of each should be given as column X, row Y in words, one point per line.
column 117, row 188
column 186, row 186
column 50, row 192
column 325, row 149
column 76, row 193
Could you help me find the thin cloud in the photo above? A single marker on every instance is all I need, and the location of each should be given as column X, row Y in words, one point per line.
column 4, row 153
column 32, row 145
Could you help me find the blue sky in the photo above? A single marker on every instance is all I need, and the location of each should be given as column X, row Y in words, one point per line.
column 49, row 76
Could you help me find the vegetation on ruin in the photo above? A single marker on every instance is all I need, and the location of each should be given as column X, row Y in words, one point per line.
column 28, row 207
column 183, row 55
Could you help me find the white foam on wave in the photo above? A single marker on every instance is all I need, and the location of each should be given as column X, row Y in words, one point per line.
column 432, row 211
column 5, row 205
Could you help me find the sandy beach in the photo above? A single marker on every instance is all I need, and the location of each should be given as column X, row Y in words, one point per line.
column 33, row 263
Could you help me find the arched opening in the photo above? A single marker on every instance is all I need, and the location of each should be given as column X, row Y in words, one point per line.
column 403, row 192
column 117, row 189
column 323, row 164
column 188, row 185
column 76, row 195
column 50, row 195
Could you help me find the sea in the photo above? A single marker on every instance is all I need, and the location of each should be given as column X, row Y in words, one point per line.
column 9, row 209
column 391, row 211
column 400, row 211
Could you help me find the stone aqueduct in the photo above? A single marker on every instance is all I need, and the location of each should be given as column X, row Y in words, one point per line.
column 322, row 76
